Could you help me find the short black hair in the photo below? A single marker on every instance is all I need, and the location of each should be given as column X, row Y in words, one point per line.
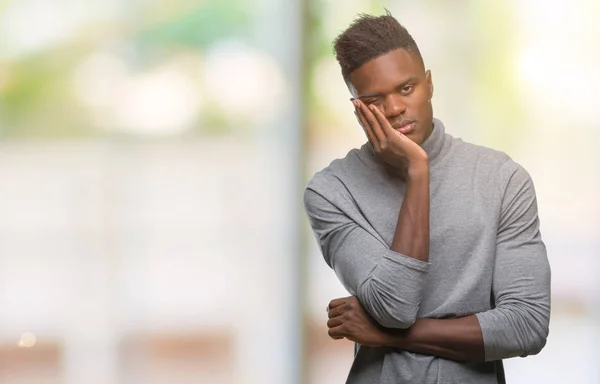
column 369, row 37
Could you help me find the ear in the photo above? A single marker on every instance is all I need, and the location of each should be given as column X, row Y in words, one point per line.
column 429, row 83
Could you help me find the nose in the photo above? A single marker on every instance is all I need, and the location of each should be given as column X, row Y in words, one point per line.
column 394, row 105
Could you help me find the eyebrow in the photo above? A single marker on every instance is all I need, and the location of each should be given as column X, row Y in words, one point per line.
column 366, row 95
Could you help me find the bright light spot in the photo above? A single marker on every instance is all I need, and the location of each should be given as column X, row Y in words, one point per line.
column 98, row 78
column 247, row 84
column 161, row 102
column 539, row 70
column 534, row 68
column 32, row 25
column 164, row 101
column 27, row 340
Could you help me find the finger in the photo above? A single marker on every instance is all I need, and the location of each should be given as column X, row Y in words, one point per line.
column 337, row 311
column 337, row 302
column 366, row 126
column 387, row 129
column 368, row 131
column 335, row 322
column 336, row 333
column 372, row 121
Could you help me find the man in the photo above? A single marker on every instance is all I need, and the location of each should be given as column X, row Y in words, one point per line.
column 436, row 239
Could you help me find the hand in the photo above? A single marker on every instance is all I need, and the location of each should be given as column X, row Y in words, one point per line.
column 390, row 145
column 348, row 319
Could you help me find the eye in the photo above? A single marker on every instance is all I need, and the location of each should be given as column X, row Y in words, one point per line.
column 407, row 89
column 376, row 101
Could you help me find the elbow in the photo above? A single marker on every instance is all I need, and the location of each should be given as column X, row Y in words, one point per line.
column 396, row 319
column 538, row 346
column 538, row 323
column 401, row 322
column 389, row 309
column 535, row 335
column 510, row 331
column 536, row 343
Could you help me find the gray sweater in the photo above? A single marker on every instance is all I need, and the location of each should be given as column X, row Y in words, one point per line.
column 486, row 256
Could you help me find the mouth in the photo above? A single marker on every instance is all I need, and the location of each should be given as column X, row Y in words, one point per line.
column 404, row 126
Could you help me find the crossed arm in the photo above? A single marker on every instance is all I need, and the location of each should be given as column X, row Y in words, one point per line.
column 454, row 339
column 364, row 263
column 517, row 326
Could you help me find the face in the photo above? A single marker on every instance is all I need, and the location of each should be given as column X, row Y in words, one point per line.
column 400, row 87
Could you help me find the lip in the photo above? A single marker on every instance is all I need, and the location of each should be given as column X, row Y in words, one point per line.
column 405, row 126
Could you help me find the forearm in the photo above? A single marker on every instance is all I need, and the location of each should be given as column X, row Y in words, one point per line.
column 392, row 294
column 412, row 229
column 388, row 284
column 454, row 339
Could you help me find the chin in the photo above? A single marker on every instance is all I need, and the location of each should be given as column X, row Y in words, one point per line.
column 416, row 137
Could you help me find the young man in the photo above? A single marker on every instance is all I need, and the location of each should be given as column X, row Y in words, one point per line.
column 436, row 239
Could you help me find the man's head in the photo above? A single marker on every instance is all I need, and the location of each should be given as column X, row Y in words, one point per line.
column 382, row 65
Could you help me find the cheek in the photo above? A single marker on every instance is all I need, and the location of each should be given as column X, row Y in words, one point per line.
column 419, row 101
column 420, row 108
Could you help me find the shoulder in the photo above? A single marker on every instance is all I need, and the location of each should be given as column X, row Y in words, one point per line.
column 335, row 187
column 502, row 167
column 340, row 172
column 479, row 154
column 497, row 163
column 494, row 167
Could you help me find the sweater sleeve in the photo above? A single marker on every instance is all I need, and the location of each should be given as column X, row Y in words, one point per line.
column 388, row 284
column 519, row 323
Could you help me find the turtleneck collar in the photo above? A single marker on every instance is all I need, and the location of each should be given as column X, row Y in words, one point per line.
column 434, row 144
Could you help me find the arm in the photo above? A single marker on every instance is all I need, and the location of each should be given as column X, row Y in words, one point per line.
column 391, row 147
column 389, row 284
column 412, row 229
column 388, row 280
column 517, row 326
column 453, row 339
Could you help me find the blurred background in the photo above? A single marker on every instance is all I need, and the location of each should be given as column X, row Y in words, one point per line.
column 153, row 155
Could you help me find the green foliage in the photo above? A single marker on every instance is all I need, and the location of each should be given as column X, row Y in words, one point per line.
column 200, row 26
column 38, row 100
